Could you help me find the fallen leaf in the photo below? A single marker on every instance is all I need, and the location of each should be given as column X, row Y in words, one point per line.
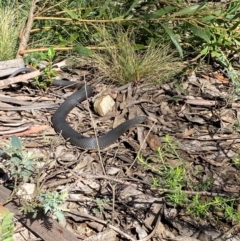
column 153, row 141
column 32, row 130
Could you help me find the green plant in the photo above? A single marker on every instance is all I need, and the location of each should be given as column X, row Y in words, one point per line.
column 22, row 167
column 177, row 198
column 176, row 180
column 203, row 30
column 49, row 201
column 48, row 72
column 101, row 203
column 21, row 164
column 6, row 224
column 222, row 207
column 169, row 177
column 123, row 61
column 197, row 207
column 52, row 201
column 175, row 177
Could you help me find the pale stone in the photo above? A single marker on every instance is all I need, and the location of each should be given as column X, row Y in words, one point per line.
column 103, row 105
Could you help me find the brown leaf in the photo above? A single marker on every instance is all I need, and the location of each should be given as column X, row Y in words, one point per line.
column 153, row 141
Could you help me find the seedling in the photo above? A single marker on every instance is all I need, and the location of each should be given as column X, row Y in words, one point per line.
column 49, row 72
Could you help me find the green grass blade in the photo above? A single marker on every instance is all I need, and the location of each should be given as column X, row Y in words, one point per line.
column 135, row 3
column 189, row 10
column 103, row 9
column 197, row 31
column 72, row 15
column 174, row 39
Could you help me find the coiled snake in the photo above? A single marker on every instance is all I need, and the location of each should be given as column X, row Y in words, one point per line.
column 61, row 126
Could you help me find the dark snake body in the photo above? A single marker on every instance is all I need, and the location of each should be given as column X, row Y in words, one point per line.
column 61, row 126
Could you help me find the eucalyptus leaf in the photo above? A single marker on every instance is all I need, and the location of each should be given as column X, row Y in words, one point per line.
column 199, row 32
column 189, row 10
column 208, row 18
column 163, row 11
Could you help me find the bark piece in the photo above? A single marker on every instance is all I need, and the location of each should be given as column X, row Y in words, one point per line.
column 9, row 66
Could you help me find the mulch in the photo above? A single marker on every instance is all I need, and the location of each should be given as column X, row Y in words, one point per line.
column 110, row 193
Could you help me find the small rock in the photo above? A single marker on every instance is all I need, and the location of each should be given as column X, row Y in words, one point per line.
column 26, row 191
column 103, row 105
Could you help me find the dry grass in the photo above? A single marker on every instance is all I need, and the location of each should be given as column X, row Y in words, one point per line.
column 9, row 30
column 120, row 61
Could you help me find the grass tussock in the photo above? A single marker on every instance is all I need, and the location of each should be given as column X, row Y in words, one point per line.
column 123, row 61
column 9, row 30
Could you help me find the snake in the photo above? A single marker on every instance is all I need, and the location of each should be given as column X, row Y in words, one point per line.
column 62, row 127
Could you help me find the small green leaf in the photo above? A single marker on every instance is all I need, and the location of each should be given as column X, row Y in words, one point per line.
column 51, row 52
column 59, row 215
column 73, row 37
column 83, row 51
column 208, row 18
column 205, row 50
column 16, row 142
column 174, row 39
column 73, row 15
column 43, row 56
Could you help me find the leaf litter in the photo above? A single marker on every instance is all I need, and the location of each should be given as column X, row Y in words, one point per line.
column 111, row 194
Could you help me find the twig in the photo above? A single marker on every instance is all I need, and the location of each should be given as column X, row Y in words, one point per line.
column 18, row 129
column 20, row 78
column 26, row 29
column 144, row 141
column 27, row 51
column 36, row 106
column 88, row 216
column 95, row 132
